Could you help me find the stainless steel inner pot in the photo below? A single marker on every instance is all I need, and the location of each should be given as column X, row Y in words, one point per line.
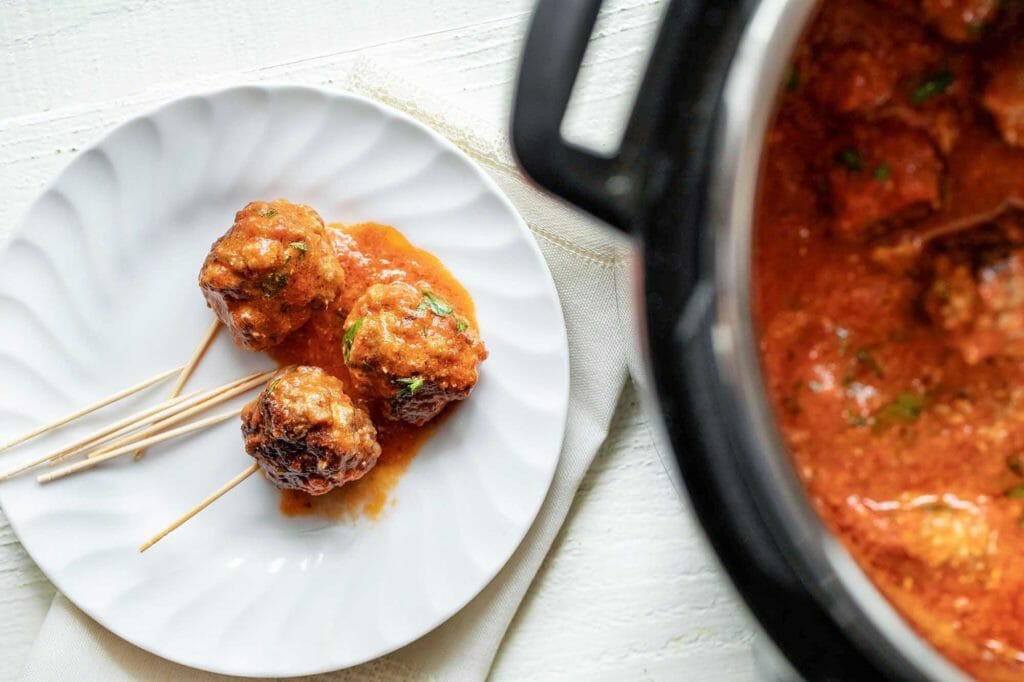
column 760, row 64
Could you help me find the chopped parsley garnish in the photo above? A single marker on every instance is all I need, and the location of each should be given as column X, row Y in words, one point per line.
column 350, row 337
column 272, row 386
column 301, row 247
column 932, row 85
column 410, row 386
column 850, row 159
column 269, row 213
column 866, row 359
column 461, row 325
column 438, row 305
column 906, row 408
column 883, row 172
column 273, row 283
column 858, row 420
column 1015, row 493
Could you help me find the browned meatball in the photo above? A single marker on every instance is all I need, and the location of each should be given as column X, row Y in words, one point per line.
column 878, row 173
column 858, row 79
column 306, row 434
column 980, row 306
column 269, row 272
column 858, row 53
column 1004, row 95
column 959, row 20
column 407, row 346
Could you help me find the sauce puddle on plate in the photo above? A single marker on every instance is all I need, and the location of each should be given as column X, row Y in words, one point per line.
column 370, row 254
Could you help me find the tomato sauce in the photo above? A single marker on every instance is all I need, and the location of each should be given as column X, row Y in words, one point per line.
column 370, row 253
column 889, row 349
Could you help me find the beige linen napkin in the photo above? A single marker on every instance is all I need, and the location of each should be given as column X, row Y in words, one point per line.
column 589, row 265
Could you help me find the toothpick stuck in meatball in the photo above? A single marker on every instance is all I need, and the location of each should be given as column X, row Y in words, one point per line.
column 269, row 272
column 408, row 346
column 306, row 434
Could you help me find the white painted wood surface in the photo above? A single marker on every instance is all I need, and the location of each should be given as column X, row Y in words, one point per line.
column 630, row 590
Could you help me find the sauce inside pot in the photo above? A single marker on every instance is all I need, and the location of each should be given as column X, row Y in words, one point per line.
column 370, row 253
column 889, row 297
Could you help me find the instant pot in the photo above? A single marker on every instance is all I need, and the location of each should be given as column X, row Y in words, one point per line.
column 683, row 184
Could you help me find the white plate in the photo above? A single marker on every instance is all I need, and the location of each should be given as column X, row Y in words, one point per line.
column 99, row 292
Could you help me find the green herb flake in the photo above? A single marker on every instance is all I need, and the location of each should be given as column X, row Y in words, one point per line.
column 301, row 247
column 1015, row 464
column 882, row 172
column 850, row 159
column 857, row 420
column 866, row 359
column 269, row 213
column 410, row 386
column 273, row 283
column 906, row 408
column 438, row 305
column 272, row 386
column 461, row 325
column 1015, row 493
column 815, row 386
column 793, row 79
column 932, row 85
column 974, row 28
column 350, row 337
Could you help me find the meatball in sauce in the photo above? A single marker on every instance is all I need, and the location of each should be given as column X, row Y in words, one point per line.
column 410, row 348
column 268, row 274
column 306, row 434
column 379, row 258
column 889, row 301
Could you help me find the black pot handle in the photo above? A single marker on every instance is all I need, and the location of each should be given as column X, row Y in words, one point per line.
column 557, row 39
column 671, row 118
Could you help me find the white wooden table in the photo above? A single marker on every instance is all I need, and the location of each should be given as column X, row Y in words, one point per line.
column 630, row 590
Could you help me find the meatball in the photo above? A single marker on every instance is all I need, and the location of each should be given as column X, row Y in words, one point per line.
column 934, row 532
column 410, row 348
column 959, row 20
column 269, row 272
column 1003, row 96
column 880, row 172
column 858, row 79
column 859, row 53
column 306, row 434
column 980, row 307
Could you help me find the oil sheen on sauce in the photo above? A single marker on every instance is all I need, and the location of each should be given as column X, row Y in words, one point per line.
column 370, row 253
